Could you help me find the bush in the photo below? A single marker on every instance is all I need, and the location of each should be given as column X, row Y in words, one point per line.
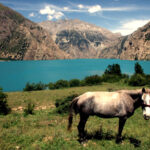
column 61, row 84
column 74, row 83
column 93, row 80
column 62, row 105
column 4, row 108
column 111, row 78
column 40, row 86
column 29, row 109
column 51, row 86
column 34, row 87
column 147, row 78
column 137, row 80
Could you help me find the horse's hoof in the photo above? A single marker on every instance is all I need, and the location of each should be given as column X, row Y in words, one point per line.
column 82, row 140
column 118, row 140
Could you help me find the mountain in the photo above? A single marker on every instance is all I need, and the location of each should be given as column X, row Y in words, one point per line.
column 135, row 46
column 21, row 39
column 79, row 39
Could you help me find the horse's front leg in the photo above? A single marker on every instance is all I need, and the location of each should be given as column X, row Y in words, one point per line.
column 122, row 121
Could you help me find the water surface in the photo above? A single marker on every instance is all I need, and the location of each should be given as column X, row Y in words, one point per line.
column 15, row 74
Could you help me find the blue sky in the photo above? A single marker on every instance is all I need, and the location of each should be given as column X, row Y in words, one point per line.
column 123, row 16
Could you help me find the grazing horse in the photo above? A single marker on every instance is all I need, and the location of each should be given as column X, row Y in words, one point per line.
column 121, row 104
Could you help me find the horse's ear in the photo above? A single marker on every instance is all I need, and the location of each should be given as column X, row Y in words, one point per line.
column 143, row 90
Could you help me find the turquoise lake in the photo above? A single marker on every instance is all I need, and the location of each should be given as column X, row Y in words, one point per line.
column 15, row 74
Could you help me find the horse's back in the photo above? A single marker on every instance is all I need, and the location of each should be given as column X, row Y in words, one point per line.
column 98, row 97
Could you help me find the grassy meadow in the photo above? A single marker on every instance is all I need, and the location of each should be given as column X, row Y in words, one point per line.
column 46, row 129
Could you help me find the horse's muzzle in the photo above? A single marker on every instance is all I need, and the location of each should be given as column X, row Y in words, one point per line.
column 146, row 117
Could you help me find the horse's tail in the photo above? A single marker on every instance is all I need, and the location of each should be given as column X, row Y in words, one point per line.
column 73, row 108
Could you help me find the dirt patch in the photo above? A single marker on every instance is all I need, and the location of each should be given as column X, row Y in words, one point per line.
column 21, row 108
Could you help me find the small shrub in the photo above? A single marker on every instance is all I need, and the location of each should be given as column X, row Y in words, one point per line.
column 147, row 78
column 4, row 108
column 29, row 109
column 40, row 86
column 93, row 80
column 74, row 83
column 111, row 78
column 137, row 80
column 82, row 83
column 34, row 87
column 61, row 84
column 29, row 87
column 51, row 86
column 62, row 105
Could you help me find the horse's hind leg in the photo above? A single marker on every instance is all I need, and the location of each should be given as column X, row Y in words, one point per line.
column 122, row 121
column 81, row 125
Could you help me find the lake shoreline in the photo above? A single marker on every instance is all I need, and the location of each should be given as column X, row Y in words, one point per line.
column 15, row 74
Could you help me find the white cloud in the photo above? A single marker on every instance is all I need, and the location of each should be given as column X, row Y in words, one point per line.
column 66, row 8
column 58, row 15
column 120, row 8
column 94, row 9
column 130, row 26
column 32, row 15
column 52, row 12
column 47, row 10
column 80, row 6
column 49, row 17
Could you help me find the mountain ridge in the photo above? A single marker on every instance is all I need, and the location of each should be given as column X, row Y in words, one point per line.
column 79, row 39
column 135, row 46
column 21, row 39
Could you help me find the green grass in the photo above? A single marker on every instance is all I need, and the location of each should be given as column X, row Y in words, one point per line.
column 48, row 130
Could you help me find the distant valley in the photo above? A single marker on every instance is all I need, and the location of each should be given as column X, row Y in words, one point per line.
column 22, row 39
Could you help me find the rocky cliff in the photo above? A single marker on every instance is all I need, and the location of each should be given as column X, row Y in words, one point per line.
column 135, row 46
column 21, row 39
column 79, row 39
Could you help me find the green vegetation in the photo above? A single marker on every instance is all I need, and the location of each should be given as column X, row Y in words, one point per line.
column 74, row 83
column 113, row 69
column 138, row 78
column 62, row 105
column 4, row 108
column 138, row 69
column 34, row 87
column 93, row 80
column 47, row 129
column 29, row 109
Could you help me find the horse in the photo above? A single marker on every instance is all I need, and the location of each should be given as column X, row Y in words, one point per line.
column 120, row 104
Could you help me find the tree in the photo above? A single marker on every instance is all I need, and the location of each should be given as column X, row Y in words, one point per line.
column 138, row 69
column 113, row 70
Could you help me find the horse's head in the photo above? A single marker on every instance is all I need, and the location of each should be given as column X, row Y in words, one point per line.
column 146, row 104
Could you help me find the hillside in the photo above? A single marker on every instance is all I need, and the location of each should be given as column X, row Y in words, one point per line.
column 46, row 129
column 132, row 47
column 21, row 39
column 79, row 39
